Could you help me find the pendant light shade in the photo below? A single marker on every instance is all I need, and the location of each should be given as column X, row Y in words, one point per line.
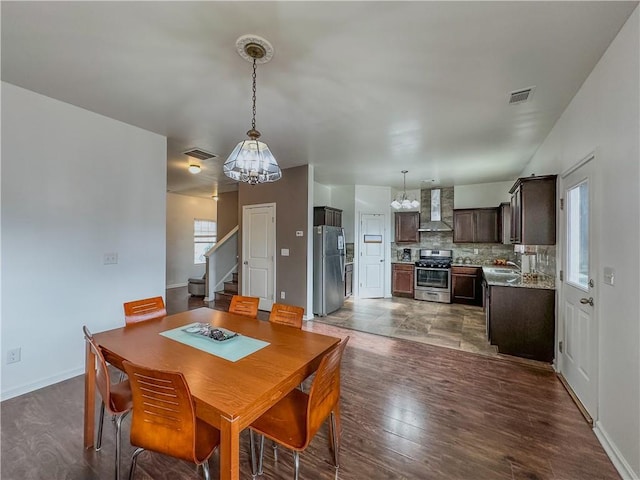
column 251, row 161
column 403, row 202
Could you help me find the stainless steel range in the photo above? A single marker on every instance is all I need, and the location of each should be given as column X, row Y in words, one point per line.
column 433, row 276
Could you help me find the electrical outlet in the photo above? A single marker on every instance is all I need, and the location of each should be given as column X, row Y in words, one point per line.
column 13, row 356
column 299, row 233
column 282, row 295
column 110, row 258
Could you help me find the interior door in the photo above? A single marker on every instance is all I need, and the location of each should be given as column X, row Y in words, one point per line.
column 578, row 312
column 258, row 253
column 371, row 269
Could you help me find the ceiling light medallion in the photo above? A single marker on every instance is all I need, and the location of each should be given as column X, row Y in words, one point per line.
column 251, row 161
column 193, row 168
column 403, row 201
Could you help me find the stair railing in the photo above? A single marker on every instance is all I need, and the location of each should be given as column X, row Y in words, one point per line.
column 222, row 261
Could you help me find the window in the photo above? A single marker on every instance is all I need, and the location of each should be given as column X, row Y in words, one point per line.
column 204, row 237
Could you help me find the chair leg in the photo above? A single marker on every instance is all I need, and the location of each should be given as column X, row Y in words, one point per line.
column 100, row 423
column 261, row 454
column 119, row 442
column 296, row 464
column 134, row 461
column 205, row 468
column 274, row 445
column 334, row 439
column 253, row 454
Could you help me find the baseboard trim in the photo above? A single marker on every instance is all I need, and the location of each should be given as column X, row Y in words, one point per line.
column 623, row 467
column 43, row 382
column 177, row 285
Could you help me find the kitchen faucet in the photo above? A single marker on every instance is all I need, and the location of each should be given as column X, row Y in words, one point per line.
column 513, row 264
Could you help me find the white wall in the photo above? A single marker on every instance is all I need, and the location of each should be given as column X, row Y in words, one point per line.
column 604, row 117
column 75, row 185
column 482, row 195
column 181, row 211
column 321, row 195
column 343, row 197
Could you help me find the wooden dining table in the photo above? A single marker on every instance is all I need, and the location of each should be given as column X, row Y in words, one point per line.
column 228, row 395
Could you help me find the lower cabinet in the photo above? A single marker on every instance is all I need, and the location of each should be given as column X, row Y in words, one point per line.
column 466, row 285
column 521, row 321
column 348, row 279
column 402, row 280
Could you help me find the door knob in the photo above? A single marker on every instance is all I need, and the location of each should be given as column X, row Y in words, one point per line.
column 246, row 262
column 586, row 301
column 382, row 260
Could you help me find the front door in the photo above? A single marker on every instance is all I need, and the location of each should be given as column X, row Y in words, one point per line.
column 579, row 325
column 371, row 270
column 258, row 253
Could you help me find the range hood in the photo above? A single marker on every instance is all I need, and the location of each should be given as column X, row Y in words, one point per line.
column 435, row 224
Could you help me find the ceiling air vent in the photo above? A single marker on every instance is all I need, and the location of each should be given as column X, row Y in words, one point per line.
column 199, row 154
column 520, row 96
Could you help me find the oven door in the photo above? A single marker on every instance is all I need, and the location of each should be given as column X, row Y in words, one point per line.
column 432, row 278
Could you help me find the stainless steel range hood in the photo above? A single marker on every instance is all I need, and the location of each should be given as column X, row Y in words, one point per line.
column 435, row 224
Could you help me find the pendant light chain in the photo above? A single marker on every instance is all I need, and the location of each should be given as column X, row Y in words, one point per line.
column 253, row 119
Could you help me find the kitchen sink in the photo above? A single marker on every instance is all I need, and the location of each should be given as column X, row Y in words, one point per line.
column 503, row 271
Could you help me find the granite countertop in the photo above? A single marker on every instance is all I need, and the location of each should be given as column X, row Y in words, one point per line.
column 497, row 276
column 404, row 262
column 475, row 265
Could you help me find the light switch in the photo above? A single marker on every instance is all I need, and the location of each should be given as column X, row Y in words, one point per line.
column 609, row 276
column 110, row 258
column 299, row 233
column 284, row 252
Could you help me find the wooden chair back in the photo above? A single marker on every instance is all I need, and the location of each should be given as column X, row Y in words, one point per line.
column 325, row 390
column 143, row 310
column 103, row 381
column 247, row 306
column 286, row 315
column 164, row 418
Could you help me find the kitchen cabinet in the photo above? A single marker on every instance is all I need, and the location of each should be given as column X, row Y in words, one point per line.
column 402, row 280
column 521, row 321
column 407, row 224
column 327, row 216
column 466, row 285
column 505, row 223
column 348, row 280
column 476, row 225
column 533, row 210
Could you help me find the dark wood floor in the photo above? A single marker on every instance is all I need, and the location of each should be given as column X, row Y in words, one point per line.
column 409, row 410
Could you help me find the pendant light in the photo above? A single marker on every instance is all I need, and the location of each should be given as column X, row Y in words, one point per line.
column 403, row 201
column 251, row 161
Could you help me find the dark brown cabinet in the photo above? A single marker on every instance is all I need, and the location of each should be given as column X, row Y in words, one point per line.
column 327, row 216
column 348, row 279
column 407, row 224
column 466, row 285
column 402, row 280
column 476, row 225
column 521, row 321
column 505, row 223
column 533, row 210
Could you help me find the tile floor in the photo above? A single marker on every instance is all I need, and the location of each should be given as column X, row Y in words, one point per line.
column 461, row 327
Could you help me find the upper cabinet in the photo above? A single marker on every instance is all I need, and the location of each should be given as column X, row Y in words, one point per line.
column 476, row 225
column 327, row 216
column 533, row 210
column 407, row 224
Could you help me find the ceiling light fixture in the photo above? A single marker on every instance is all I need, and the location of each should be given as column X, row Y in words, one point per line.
column 403, row 201
column 193, row 168
column 251, row 161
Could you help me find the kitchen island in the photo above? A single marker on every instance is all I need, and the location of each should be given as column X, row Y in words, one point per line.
column 520, row 313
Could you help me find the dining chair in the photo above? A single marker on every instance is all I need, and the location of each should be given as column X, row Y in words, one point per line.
column 164, row 418
column 247, row 306
column 143, row 310
column 116, row 397
column 294, row 420
column 283, row 314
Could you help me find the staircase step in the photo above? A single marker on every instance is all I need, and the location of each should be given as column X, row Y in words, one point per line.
column 235, row 277
column 231, row 287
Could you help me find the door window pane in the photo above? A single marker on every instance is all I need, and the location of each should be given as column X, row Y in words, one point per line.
column 578, row 235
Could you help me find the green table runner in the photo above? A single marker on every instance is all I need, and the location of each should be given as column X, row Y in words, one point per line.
column 233, row 349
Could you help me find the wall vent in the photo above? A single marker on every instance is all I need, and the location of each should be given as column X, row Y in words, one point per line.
column 199, row 153
column 520, row 96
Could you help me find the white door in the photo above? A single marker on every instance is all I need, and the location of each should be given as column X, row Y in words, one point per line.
column 258, row 253
column 578, row 304
column 371, row 269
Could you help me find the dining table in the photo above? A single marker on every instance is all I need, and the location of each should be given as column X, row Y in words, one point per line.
column 228, row 393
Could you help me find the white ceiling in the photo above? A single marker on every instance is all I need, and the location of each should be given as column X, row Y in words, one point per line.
column 360, row 90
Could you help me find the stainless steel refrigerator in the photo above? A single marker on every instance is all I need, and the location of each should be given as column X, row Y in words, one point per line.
column 328, row 269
